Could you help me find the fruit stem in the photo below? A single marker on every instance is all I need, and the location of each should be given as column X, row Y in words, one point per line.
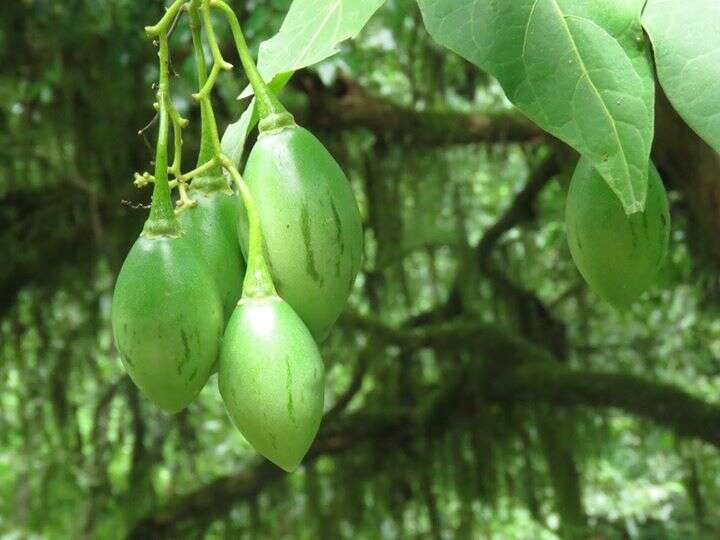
column 201, row 170
column 162, row 219
column 166, row 22
column 258, row 281
column 273, row 115
column 219, row 62
column 209, row 140
column 178, row 124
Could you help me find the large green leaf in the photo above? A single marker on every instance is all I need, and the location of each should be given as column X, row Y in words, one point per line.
column 686, row 38
column 311, row 32
column 580, row 69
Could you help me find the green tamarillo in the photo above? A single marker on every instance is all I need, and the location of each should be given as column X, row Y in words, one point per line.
column 271, row 375
column 619, row 255
column 167, row 314
column 310, row 223
column 271, row 378
column 211, row 227
column 167, row 319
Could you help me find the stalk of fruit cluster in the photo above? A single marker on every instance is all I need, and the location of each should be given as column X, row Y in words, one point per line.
column 162, row 215
column 273, row 115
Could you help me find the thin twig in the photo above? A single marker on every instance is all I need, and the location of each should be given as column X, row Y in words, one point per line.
column 174, row 23
column 135, row 206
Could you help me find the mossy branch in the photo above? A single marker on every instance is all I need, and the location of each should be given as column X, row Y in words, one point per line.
column 509, row 371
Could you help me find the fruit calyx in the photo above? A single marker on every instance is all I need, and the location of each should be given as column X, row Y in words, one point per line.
column 161, row 226
column 276, row 122
column 210, row 184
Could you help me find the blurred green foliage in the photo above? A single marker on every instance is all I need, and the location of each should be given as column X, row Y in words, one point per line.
column 83, row 455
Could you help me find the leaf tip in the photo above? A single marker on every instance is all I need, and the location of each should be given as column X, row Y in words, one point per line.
column 634, row 207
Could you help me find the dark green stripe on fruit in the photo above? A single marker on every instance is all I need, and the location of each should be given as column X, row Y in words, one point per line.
column 307, row 240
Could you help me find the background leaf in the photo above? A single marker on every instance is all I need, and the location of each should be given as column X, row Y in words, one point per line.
column 578, row 68
column 233, row 140
column 686, row 38
column 311, row 32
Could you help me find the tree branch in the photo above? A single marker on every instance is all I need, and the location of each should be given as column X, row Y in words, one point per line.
column 349, row 106
column 689, row 165
column 510, row 371
column 665, row 404
column 353, row 388
column 521, row 210
column 213, row 499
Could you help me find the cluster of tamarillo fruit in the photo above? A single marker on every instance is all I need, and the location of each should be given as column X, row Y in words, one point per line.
column 619, row 255
column 248, row 281
column 186, row 304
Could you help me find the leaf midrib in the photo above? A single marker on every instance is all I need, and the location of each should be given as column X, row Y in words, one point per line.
column 320, row 29
column 586, row 74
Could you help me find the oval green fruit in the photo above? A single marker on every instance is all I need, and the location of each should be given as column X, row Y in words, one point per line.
column 211, row 227
column 167, row 320
column 271, row 379
column 618, row 255
column 310, row 222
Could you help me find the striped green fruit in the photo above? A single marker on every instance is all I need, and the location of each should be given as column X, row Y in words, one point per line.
column 619, row 255
column 310, row 222
column 271, row 379
column 211, row 227
column 167, row 320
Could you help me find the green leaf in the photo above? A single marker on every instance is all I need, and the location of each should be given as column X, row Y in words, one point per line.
column 233, row 140
column 686, row 37
column 580, row 69
column 310, row 33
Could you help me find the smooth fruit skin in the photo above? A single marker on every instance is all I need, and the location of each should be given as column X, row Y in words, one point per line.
column 211, row 227
column 310, row 221
column 271, row 379
column 618, row 255
column 167, row 320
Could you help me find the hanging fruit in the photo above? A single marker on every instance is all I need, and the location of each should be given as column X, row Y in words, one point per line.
column 619, row 255
column 166, row 312
column 310, row 222
column 271, row 374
